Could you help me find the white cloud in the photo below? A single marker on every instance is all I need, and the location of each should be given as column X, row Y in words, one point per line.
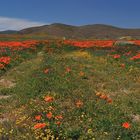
column 7, row 23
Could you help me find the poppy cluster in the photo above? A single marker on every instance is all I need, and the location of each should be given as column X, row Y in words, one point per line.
column 89, row 44
column 17, row 45
column 137, row 56
column 50, row 116
column 136, row 42
column 4, row 61
column 104, row 97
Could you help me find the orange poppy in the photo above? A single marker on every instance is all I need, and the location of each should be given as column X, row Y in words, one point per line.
column 109, row 100
column 122, row 65
column 81, row 73
column 103, row 97
column 38, row 117
column 48, row 98
column 46, row 71
column 1, row 66
column 49, row 115
column 79, row 104
column 126, row 125
column 58, row 123
column 39, row 125
column 59, row 117
column 116, row 56
column 68, row 69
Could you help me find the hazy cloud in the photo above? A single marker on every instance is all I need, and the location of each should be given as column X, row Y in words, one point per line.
column 7, row 23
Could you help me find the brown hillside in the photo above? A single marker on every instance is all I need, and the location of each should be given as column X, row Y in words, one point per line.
column 82, row 32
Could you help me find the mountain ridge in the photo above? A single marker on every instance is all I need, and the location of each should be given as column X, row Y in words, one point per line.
column 91, row 31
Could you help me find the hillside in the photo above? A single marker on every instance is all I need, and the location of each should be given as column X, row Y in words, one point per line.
column 82, row 32
column 8, row 32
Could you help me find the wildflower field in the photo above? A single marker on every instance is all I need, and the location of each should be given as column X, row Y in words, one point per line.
column 70, row 90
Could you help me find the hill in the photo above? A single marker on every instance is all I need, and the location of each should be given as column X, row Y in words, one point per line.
column 8, row 32
column 82, row 32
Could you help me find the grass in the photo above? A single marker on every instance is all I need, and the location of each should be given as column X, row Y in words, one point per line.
column 73, row 79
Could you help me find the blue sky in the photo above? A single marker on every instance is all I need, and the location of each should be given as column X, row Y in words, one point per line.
column 19, row 14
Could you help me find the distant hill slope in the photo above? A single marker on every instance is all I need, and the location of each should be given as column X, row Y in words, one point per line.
column 8, row 32
column 82, row 32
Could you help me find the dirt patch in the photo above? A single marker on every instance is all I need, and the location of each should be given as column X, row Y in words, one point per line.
column 4, row 96
column 79, row 54
column 7, row 83
column 3, row 120
column 136, row 118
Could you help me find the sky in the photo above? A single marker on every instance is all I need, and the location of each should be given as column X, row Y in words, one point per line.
column 19, row 14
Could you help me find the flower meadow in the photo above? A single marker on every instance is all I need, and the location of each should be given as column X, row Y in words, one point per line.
column 70, row 90
column 14, row 52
